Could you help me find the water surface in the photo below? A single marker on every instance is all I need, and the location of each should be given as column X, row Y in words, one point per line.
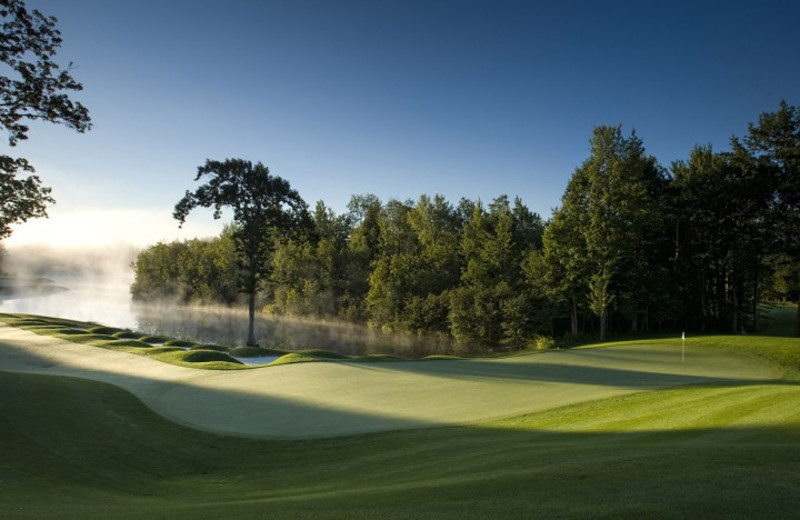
column 107, row 301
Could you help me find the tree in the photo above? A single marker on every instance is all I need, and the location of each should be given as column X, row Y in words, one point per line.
column 774, row 145
column 720, row 205
column 562, row 271
column 493, row 303
column 605, row 224
column 32, row 88
column 265, row 208
column 29, row 42
column 309, row 275
column 363, row 247
column 190, row 271
column 20, row 199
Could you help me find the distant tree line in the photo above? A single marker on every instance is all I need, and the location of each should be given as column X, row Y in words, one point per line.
column 633, row 247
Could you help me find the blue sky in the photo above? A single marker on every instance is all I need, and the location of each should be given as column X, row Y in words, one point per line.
column 397, row 98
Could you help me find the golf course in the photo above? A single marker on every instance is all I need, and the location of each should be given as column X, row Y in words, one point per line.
column 651, row 428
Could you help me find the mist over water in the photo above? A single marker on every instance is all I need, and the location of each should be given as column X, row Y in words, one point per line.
column 229, row 327
column 83, row 298
column 95, row 286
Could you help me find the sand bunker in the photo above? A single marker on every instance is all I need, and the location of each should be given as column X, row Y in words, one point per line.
column 341, row 398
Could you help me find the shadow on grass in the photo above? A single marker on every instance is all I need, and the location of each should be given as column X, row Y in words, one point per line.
column 351, row 398
column 630, row 366
column 82, row 449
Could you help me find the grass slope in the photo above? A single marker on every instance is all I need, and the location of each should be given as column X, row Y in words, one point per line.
column 344, row 398
column 728, row 449
column 79, row 449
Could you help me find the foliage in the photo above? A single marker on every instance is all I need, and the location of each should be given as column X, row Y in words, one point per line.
column 265, row 208
column 772, row 151
column 543, row 343
column 35, row 91
column 32, row 87
column 191, row 271
column 20, row 198
column 632, row 248
column 720, row 209
column 619, row 216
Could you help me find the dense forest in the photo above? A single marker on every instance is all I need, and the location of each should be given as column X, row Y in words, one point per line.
column 633, row 247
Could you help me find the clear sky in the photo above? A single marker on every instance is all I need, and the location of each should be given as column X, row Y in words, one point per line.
column 464, row 98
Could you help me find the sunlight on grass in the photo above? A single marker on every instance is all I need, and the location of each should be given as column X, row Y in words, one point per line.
column 589, row 432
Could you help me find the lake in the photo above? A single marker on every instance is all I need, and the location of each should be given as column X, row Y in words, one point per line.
column 107, row 301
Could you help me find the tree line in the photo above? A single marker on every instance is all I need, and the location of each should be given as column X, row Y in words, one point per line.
column 633, row 247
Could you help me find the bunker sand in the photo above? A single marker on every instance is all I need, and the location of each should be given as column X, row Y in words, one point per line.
column 343, row 398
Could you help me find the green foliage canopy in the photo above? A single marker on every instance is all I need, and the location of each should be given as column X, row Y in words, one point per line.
column 265, row 208
column 32, row 87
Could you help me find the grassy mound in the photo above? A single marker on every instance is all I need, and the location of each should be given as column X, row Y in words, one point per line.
column 309, row 355
column 126, row 334
column 179, row 343
column 168, row 350
column 110, row 331
column 208, row 359
column 127, row 343
column 154, row 339
column 251, row 352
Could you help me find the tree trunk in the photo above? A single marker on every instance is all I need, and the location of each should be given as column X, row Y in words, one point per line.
column 755, row 299
column 574, row 316
column 603, row 323
column 703, row 303
column 251, row 332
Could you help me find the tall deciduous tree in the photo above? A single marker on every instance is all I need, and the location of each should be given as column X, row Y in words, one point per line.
column 720, row 205
column 563, row 269
column 265, row 208
column 32, row 87
column 611, row 210
column 774, row 144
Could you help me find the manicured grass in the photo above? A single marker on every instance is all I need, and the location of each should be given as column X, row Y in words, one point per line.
column 79, row 449
column 727, row 449
column 782, row 352
column 106, row 337
column 166, row 349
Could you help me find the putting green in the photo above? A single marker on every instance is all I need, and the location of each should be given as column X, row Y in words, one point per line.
column 341, row 398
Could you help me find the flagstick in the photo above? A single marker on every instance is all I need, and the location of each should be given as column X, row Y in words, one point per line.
column 683, row 344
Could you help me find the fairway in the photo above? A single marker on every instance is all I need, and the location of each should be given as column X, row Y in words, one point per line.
column 324, row 399
column 626, row 431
